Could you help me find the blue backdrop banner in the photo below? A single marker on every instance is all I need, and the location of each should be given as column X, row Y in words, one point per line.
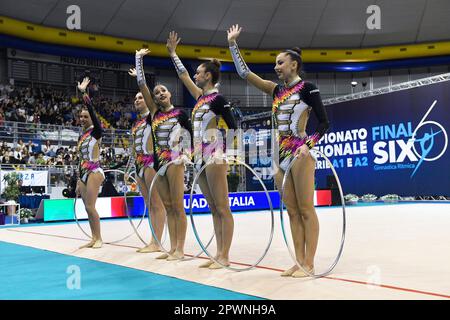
column 390, row 143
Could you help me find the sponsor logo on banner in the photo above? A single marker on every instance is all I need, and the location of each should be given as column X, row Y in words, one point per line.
column 395, row 146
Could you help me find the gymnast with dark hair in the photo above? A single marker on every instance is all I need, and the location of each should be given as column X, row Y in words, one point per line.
column 91, row 175
column 292, row 104
column 143, row 155
column 208, row 144
column 171, row 130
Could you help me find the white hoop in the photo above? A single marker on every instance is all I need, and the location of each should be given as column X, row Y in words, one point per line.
column 331, row 267
column 126, row 210
column 204, row 248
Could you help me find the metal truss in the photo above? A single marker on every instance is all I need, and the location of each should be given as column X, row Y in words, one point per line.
column 397, row 87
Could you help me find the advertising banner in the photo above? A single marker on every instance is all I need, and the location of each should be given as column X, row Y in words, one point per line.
column 391, row 143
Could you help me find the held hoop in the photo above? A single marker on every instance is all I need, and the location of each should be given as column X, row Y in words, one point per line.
column 129, row 217
column 204, row 248
column 291, row 252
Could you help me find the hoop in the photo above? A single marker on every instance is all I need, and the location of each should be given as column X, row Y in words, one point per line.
column 286, row 174
column 204, row 248
column 126, row 210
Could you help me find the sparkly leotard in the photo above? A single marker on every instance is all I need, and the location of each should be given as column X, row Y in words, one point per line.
column 291, row 108
column 205, row 116
column 168, row 130
column 89, row 145
column 143, row 144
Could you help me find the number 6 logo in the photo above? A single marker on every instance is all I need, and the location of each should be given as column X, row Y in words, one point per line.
column 421, row 124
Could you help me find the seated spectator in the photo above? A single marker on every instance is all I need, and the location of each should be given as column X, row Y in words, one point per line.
column 18, row 153
column 48, row 150
column 21, row 144
column 36, row 146
column 32, row 159
column 21, row 116
column 40, row 160
column 59, row 160
column 6, row 159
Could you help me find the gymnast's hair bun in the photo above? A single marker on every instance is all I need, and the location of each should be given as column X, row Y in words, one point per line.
column 297, row 49
column 216, row 63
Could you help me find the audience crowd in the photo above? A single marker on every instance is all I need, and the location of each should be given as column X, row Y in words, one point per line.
column 49, row 106
column 34, row 155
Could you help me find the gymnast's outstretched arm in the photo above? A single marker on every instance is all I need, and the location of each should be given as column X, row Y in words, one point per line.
column 97, row 132
column 140, row 76
column 242, row 68
column 172, row 43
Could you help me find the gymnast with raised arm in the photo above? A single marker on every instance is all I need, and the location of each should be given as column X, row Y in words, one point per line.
column 172, row 136
column 208, row 143
column 292, row 104
column 143, row 155
column 91, row 175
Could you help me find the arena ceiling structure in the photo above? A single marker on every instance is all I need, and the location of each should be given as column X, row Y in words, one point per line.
column 268, row 24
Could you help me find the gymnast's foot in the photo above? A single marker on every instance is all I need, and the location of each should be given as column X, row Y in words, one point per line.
column 166, row 255
column 152, row 247
column 290, row 271
column 163, row 256
column 98, row 244
column 206, row 264
column 223, row 262
column 302, row 274
column 95, row 244
column 177, row 255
